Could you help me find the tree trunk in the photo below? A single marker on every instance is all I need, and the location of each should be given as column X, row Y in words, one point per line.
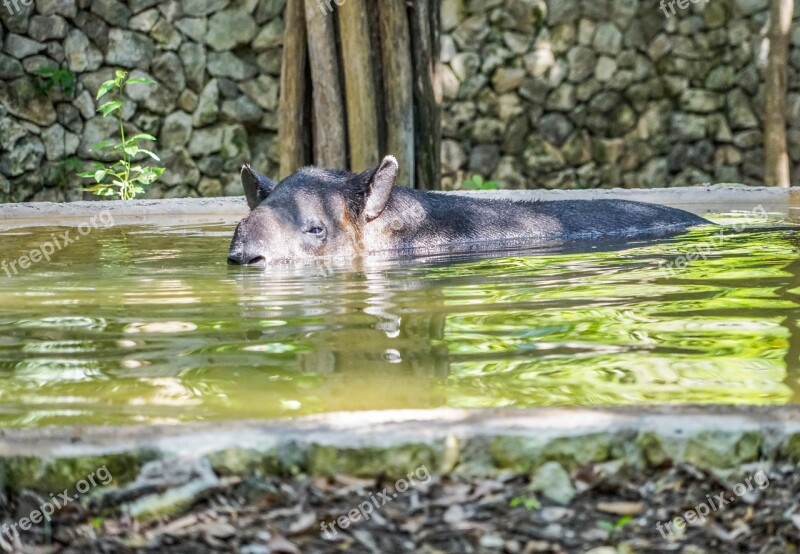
column 292, row 118
column 373, row 85
column 776, row 157
column 359, row 85
column 328, row 100
column 398, row 83
column 424, row 30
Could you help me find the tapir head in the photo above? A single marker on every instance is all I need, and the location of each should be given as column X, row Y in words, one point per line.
column 313, row 213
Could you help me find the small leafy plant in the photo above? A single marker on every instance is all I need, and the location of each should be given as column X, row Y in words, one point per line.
column 124, row 178
column 614, row 529
column 61, row 77
column 477, row 183
column 531, row 503
column 66, row 168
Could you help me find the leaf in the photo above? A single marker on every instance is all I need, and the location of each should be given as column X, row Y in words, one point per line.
column 104, row 88
column 100, row 190
column 131, row 150
column 110, row 107
column 120, row 74
column 151, row 154
column 146, row 177
column 140, row 81
column 141, row 136
column 99, row 175
column 103, row 144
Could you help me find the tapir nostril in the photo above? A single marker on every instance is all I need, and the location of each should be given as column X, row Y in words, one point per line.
column 257, row 260
column 239, row 259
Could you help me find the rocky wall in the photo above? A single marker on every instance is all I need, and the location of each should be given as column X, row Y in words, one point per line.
column 536, row 93
column 606, row 93
column 217, row 65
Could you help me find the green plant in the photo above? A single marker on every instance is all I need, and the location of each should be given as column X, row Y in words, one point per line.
column 614, row 528
column 52, row 77
column 477, row 183
column 66, row 168
column 531, row 503
column 124, row 178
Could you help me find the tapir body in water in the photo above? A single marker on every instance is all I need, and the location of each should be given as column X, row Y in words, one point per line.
column 319, row 213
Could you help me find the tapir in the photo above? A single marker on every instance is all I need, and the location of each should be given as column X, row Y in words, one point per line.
column 320, row 213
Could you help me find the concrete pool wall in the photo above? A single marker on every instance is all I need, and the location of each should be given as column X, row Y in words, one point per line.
column 186, row 211
column 463, row 442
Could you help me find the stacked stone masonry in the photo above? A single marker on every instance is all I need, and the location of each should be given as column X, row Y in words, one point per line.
column 536, row 94
column 609, row 93
column 217, row 65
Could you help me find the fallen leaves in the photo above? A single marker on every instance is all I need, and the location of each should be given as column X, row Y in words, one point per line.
column 617, row 508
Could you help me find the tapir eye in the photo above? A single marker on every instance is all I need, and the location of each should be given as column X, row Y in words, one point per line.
column 316, row 230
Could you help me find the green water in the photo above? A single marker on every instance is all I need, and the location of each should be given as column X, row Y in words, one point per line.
column 149, row 324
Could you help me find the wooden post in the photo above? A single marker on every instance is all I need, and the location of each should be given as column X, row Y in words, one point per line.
column 293, row 122
column 776, row 157
column 362, row 111
column 369, row 86
column 398, row 84
column 427, row 97
column 328, row 100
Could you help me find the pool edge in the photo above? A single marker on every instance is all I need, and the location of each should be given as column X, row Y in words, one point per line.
column 226, row 209
column 469, row 442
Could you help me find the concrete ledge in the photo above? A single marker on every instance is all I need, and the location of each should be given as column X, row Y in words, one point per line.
column 175, row 211
column 469, row 442
column 185, row 211
column 707, row 196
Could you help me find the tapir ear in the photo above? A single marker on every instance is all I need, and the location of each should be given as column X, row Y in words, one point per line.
column 379, row 186
column 256, row 186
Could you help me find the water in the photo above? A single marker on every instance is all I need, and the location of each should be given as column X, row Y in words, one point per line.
column 148, row 324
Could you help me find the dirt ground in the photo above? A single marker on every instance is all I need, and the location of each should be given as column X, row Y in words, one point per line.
column 599, row 509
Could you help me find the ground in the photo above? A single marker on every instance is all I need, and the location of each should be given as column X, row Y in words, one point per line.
column 604, row 509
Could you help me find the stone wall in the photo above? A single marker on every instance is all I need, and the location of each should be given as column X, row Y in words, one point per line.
column 555, row 94
column 604, row 93
column 217, row 64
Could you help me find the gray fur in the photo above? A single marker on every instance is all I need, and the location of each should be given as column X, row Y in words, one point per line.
column 317, row 213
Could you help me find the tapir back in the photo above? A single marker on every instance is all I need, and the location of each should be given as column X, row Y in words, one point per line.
column 418, row 221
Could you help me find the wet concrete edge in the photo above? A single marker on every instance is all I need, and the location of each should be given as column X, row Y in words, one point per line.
column 470, row 442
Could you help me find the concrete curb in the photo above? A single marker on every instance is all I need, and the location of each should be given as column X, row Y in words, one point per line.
column 468, row 442
column 386, row 429
column 180, row 211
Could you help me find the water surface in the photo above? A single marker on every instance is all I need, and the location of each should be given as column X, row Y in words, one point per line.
column 149, row 324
